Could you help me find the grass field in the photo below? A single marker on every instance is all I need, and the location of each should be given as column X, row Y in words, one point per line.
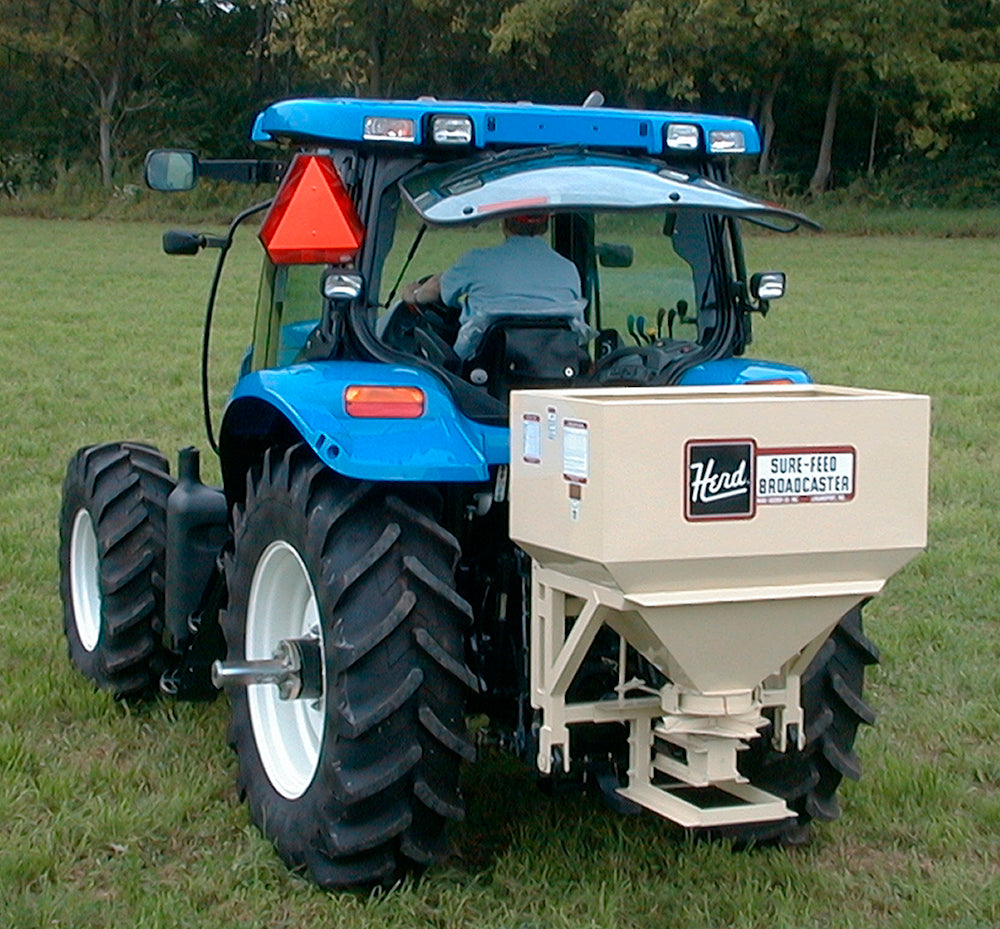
column 118, row 815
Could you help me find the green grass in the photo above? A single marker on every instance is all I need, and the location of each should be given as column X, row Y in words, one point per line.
column 126, row 815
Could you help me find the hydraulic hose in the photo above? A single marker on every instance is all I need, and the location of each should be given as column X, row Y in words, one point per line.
column 209, row 312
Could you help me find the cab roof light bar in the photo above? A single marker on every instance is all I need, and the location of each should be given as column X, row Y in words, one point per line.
column 501, row 125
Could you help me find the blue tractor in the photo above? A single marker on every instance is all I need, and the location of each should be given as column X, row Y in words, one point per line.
column 353, row 584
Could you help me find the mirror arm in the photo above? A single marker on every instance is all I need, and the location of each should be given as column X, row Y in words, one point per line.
column 242, row 170
column 748, row 302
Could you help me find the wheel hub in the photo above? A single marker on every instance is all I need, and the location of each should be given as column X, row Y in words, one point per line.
column 296, row 669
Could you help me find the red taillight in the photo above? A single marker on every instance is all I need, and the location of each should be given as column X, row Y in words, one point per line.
column 312, row 219
column 381, row 402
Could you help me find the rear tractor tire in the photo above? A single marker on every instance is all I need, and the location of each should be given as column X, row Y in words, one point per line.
column 112, row 530
column 355, row 781
column 832, row 703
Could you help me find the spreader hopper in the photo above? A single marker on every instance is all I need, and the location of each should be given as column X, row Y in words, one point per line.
column 721, row 533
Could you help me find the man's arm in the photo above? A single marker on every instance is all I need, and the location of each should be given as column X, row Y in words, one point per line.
column 428, row 291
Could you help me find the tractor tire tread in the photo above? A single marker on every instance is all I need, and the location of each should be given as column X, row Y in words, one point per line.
column 385, row 784
column 124, row 487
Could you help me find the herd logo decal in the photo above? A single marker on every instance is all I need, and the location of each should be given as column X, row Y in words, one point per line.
column 720, row 479
column 731, row 478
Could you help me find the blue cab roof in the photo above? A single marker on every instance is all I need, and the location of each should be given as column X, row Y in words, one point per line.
column 495, row 125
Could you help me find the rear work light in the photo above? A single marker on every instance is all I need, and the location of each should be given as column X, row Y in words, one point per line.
column 726, row 141
column 312, row 219
column 383, row 402
column 451, row 130
column 683, row 137
column 390, row 129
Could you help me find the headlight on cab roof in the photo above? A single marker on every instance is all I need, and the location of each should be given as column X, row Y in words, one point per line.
column 451, row 130
column 726, row 141
column 683, row 137
column 390, row 129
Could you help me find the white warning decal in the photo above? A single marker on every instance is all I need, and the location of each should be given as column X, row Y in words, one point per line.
column 531, row 438
column 576, row 451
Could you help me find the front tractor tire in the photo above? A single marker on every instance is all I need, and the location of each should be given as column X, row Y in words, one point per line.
column 355, row 780
column 112, row 531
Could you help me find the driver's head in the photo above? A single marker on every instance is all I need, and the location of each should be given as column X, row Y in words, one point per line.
column 526, row 224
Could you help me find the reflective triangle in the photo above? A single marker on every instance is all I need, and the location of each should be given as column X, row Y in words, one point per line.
column 312, row 219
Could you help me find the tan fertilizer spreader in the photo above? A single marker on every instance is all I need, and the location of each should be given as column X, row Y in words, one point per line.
column 721, row 533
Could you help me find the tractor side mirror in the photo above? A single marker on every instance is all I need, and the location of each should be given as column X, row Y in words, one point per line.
column 171, row 170
column 613, row 255
column 182, row 242
column 767, row 285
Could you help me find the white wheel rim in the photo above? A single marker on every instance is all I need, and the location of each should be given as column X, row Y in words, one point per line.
column 288, row 733
column 85, row 580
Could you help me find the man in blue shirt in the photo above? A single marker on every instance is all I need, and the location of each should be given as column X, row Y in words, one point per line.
column 522, row 275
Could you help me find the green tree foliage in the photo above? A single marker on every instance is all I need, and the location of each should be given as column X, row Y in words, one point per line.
column 387, row 48
column 840, row 89
column 560, row 50
column 109, row 47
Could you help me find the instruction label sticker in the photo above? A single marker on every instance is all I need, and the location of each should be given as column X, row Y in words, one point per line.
column 805, row 475
column 576, row 451
column 531, row 438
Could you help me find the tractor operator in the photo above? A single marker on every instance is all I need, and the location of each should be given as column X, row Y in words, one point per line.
column 522, row 275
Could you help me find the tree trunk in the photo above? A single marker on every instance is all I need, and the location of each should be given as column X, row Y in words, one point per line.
column 105, row 129
column 259, row 50
column 767, row 124
column 380, row 33
column 874, row 138
column 824, row 163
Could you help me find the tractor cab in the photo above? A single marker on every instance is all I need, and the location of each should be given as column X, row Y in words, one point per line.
column 383, row 194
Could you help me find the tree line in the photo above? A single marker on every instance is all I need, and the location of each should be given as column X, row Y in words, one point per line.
column 841, row 89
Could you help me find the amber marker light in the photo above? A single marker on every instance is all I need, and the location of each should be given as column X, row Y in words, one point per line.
column 382, row 402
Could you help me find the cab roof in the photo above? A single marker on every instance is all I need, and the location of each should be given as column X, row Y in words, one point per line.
column 412, row 123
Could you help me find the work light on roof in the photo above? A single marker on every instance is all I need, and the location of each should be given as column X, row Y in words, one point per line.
column 726, row 142
column 683, row 137
column 451, row 130
column 390, row 129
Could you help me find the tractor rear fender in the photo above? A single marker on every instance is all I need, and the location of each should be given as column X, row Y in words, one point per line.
column 307, row 402
column 742, row 371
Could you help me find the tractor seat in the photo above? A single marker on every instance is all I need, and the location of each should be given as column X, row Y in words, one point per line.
column 527, row 351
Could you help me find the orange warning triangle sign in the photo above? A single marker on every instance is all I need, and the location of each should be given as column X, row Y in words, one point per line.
column 312, row 219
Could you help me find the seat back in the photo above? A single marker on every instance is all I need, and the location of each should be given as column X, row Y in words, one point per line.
column 526, row 351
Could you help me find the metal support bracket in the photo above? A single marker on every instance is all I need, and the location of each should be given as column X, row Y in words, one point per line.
column 680, row 742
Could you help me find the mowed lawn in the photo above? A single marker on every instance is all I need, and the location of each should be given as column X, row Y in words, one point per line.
column 115, row 815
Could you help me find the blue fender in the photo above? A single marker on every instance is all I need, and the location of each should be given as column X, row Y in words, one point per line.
column 741, row 371
column 443, row 445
